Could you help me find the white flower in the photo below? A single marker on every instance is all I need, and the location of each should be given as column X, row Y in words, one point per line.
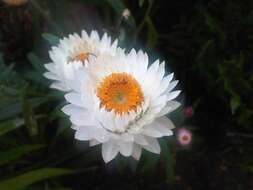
column 122, row 104
column 75, row 52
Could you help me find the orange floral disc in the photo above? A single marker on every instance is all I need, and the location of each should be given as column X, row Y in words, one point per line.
column 120, row 92
column 81, row 57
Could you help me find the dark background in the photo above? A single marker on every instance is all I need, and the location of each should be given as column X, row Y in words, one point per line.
column 208, row 44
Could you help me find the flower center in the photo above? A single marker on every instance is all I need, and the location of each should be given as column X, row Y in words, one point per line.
column 81, row 57
column 120, row 92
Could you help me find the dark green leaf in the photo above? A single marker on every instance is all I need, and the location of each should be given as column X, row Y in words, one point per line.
column 141, row 2
column 148, row 161
column 152, row 33
column 167, row 159
column 117, row 5
column 30, row 121
column 7, row 127
column 235, row 103
column 52, row 39
column 16, row 153
column 35, row 61
column 24, row 180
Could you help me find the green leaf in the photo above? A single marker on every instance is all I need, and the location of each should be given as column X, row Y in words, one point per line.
column 1, row 61
column 13, row 108
column 141, row 2
column 22, row 181
column 148, row 162
column 35, row 61
column 117, row 5
column 235, row 102
column 52, row 39
column 167, row 159
column 30, row 120
column 6, row 72
column 152, row 33
column 250, row 168
column 7, row 127
column 16, row 153
column 204, row 49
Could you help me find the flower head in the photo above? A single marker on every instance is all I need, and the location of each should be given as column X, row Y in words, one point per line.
column 75, row 52
column 188, row 111
column 184, row 137
column 122, row 103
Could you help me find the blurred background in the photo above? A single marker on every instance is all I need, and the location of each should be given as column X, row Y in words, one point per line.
column 208, row 44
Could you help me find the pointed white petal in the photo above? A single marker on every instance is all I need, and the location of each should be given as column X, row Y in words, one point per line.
column 173, row 95
column 84, row 134
column 172, row 86
column 83, row 119
column 71, row 109
column 140, row 139
column 51, row 76
column 164, row 126
column 151, row 131
column 170, row 107
column 58, row 86
column 109, row 151
column 136, row 154
column 74, row 98
column 126, row 148
column 153, row 145
column 93, row 142
column 51, row 67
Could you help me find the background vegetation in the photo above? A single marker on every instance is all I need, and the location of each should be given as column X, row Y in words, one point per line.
column 207, row 43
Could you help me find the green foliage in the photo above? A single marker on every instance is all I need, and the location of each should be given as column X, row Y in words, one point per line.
column 7, row 126
column 22, row 181
column 14, row 154
column 211, row 48
column 52, row 39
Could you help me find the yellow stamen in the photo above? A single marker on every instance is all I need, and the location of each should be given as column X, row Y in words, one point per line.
column 120, row 92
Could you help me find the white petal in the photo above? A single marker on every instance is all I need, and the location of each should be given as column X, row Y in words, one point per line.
column 84, row 34
column 172, row 86
column 163, row 125
column 173, row 95
column 136, row 154
column 153, row 145
column 126, row 148
column 161, row 70
column 51, row 76
column 74, row 98
column 165, row 83
column 84, row 134
column 94, row 35
column 154, row 67
column 58, row 86
column 100, row 134
column 140, row 139
column 83, row 119
column 170, row 106
column 151, row 131
column 109, row 151
column 51, row 67
column 71, row 109
column 93, row 142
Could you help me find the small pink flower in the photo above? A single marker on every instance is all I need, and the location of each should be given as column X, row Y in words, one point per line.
column 184, row 137
column 188, row 111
